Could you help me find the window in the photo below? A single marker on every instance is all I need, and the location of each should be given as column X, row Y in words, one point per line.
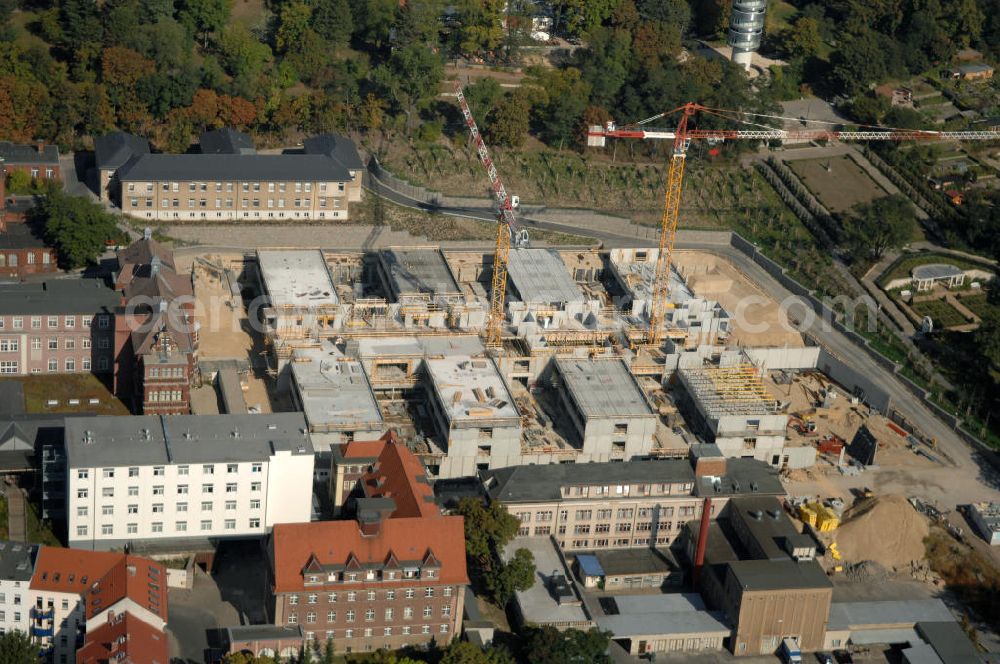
column 425, row 629
column 182, row 489
column 230, row 505
column 408, row 613
column 206, row 506
column 157, row 527
column 230, row 524
column 293, row 599
column 390, row 595
column 255, row 504
column 410, row 593
column 292, row 619
column 70, row 344
column 108, row 510
column 428, row 592
column 369, row 615
column 446, row 610
column 311, row 617
column 182, row 470
column 255, row 523
column 107, row 529
column 446, row 591
column 133, row 509
column 255, row 486
column 427, row 612
column 53, row 343
column 206, row 525
column 36, row 343
column 81, row 531
column 208, row 469
column 255, row 468
column 232, row 468
column 158, row 490
column 70, row 364
column 132, row 529
column 133, row 491
column 331, row 616
column 9, row 345
column 158, row 471
column 182, row 507
column 53, row 322
column 18, row 322
column 108, row 492
column 231, row 487
column 208, row 488
column 157, row 508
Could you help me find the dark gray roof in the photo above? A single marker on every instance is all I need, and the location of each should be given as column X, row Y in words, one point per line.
column 637, row 561
column 14, row 153
column 949, row 642
column 21, row 236
column 58, row 296
column 111, row 151
column 936, row 271
column 17, row 560
column 233, row 167
column 773, row 528
column 154, row 440
column 779, row 574
column 522, row 484
column 339, row 148
column 743, row 477
column 418, row 271
column 226, row 141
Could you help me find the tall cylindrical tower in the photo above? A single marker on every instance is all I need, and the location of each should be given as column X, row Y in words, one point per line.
column 746, row 27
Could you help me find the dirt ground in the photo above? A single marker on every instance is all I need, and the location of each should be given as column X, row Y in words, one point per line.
column 758, row 319
column 223, row 332
column 842, row 187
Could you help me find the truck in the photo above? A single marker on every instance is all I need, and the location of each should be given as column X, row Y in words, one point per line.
column 789, row 652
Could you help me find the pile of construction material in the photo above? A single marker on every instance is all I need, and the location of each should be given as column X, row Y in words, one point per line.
column 885, row 530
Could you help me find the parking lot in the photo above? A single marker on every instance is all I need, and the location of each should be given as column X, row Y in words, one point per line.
column 233, row 595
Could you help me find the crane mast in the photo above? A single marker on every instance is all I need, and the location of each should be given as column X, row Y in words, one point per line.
column 507, row 230
column 682, row 137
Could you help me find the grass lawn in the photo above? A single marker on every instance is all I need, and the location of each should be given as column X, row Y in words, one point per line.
column 779, row 13
column 841, row 187
column 39, row 532
column 40, row 389
column 902, row 267
column 942, row 313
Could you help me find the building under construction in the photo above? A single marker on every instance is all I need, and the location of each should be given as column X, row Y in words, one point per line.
column 730, row 407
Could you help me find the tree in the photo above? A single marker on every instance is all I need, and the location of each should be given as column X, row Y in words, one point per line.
column 19, row 182
column 483, row 95
column 487, row 529
column 411, row 79
column 548, row 645
column 243, row 55
column 517, row 574
column 580, row 17
column 480, row 25
column 711, row 17
column 508, row 124
column 464, row 652
column 293, row 21
column 874, row 228
column 562, row 98
column 801, row 39
column 332, row 20
column 76, row 226
column 16, row 648
column 247, row 658
column 204, row 16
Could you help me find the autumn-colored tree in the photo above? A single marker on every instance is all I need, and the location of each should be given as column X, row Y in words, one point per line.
column 236, row 112
column 122, row 67
column 204, row 110
column 21, row 106
column 656, row 41
column 372, row 112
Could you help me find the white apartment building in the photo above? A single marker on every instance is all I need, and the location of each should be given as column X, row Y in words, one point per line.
column 185, row 479
column 17, row 562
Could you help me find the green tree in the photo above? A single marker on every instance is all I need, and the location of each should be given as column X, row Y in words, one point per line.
column 548, row 645
column 517, row 574
column 483, row 95
column 487, row 529
column 562, row 98
column 876, row 227
column 711, row 17
column 293, row 21
column 16, row 648
column 580, row 17
column 464, row 652
column 508, row 124
column 243, row 55
column 19, row 182
column 76, row 226
column 333, row 21
column 204, row 16
column 480, row 25
column 410, row 79
column 801, row 39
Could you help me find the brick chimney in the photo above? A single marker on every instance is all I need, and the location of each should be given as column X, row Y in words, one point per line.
column 707, row 460
column 699, row 552
column 40, row 144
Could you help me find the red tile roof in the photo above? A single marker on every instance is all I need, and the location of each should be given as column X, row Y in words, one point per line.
column 138, row 579
column 71, row 570
column 124, row 638
column 335, row 542
column 398, row 474
column 362, row 449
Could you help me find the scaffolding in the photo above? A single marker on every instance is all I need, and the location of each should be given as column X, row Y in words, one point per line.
column 730, row 390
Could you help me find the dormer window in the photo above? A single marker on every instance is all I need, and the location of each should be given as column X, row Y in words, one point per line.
column 313, row 578
column 351, row 576
column 370, row 575
column 431, row 574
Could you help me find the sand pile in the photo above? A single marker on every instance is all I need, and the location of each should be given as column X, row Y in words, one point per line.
column 884, row 529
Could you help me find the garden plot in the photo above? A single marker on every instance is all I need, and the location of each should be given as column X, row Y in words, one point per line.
column 837, row 182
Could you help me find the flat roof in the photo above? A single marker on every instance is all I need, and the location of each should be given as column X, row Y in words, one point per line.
column 541, row 276
column 949, row 641
column 772, row 529
column 603, row 388
column 419, row 271
column 936, row 271
column 671, row 617
column 861, row 615
column 297, row 278
column 661, row 603
column 471, row 389
column 17, row 560
column 989, row 513
column 742, row 477
column 537, row 604
column 616, row 562
column 785, row 574
column 732, row 390
column 263, row 632
column 58, row 296
column 404, row 346
column 334, row 389
column 111, row 441
column 637, row 275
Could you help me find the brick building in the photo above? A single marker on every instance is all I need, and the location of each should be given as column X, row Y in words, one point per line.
column 156, row 337
column 22, row 249
column 59, row 326
column 391, row 576
column 40, row 161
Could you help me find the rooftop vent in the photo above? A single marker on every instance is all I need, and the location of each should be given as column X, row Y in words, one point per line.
column 757, row 515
